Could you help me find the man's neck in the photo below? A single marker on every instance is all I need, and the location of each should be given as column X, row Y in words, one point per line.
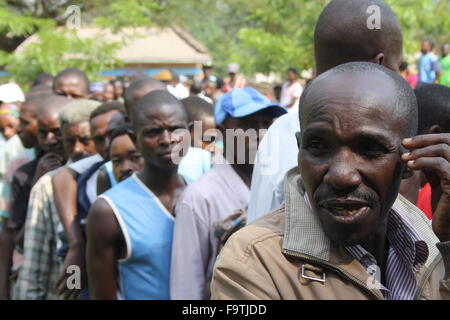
column 160, row 181
column 245, row 172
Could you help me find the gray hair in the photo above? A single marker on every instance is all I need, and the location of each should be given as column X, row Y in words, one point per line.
column 77, row 111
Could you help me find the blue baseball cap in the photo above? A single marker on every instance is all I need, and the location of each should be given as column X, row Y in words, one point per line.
column 243, row 102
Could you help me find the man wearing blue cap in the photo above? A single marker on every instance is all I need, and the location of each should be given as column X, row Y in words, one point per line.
column 239, row 114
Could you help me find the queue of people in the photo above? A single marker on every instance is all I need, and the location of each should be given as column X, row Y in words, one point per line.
column 154, row 191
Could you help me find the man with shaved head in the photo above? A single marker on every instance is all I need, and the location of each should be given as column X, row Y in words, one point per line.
column 43, row 78
column 72, row 83
column 344, row 232
column 130, row 226
column 139, row 88
column 341, row 35
column 50, row 155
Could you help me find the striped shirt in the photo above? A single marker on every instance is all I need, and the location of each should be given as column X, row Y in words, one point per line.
column 41, row 265
column 407, row 254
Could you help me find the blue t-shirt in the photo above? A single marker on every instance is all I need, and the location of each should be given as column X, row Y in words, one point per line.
column 428, row 65
column 147, row 227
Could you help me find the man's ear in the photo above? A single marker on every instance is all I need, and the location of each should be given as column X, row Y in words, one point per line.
column 435, row 129
column 379, row 59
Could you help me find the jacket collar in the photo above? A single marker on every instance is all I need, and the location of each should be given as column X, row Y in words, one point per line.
column 303, row 234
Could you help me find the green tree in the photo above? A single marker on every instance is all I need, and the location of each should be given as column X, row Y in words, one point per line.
column 271, row 35
column 57, row 47
column 261, row 35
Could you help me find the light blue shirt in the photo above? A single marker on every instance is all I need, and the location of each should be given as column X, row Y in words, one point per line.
column 428, row 65
column 147, row 227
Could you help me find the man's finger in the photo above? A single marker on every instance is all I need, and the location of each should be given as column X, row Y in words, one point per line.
column 425, row 140
column 437, row 150
column 439, row 164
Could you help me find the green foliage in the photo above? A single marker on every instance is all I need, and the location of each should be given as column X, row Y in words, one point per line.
column 272, row 35
column 17, row 25
column 261, row 35
column 57, row 50
column 127, row 13
column 283, row 35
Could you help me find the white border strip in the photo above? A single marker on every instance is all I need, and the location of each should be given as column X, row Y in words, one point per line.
column 122, row 226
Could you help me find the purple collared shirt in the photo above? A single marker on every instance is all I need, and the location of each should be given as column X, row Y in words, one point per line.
column 213, row 197
column 406, row 256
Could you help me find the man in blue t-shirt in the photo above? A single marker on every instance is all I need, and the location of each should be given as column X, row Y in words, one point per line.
column 130, row 227
column 428, row 64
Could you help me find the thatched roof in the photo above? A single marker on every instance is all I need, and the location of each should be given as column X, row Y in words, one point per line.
column 153, row 45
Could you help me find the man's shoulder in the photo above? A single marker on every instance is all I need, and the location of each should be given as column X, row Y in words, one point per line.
column 263, row 233
column 13, row 142
column 297, row 85
column 429, row 57
column 123, row 187
column 28, row 166
column 24, row 171
column 84, row 164
column 421, row 224
column 204, row 187
column 434, row 57
column 45, row 181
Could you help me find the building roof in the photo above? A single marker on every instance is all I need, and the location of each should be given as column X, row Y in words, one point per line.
column 151, row 45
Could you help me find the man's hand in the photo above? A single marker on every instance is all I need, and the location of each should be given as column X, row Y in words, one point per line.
column 431, row 154
column 50, row 161
column 75, row 257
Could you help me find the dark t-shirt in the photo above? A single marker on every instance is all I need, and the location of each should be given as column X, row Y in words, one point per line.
column 20, row 193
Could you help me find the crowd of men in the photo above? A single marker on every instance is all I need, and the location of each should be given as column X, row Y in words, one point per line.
column 148, row 192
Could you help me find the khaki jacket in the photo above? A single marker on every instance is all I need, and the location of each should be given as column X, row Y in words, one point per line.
column 286, row 255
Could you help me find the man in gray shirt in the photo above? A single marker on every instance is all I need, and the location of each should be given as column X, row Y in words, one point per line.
column 221, row 191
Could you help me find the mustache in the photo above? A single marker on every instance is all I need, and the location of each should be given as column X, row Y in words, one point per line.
column 325, row 195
